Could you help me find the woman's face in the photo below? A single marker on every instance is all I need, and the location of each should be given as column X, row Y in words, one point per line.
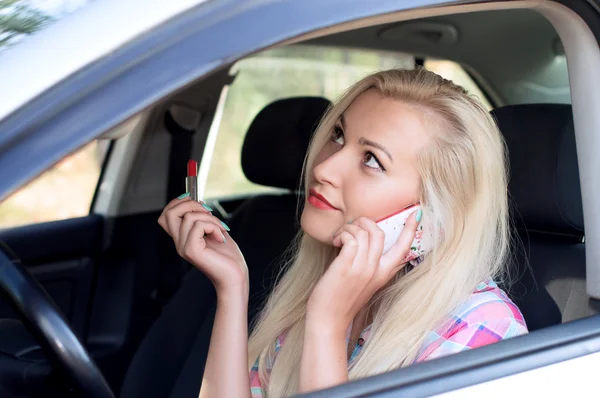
column 368, row 168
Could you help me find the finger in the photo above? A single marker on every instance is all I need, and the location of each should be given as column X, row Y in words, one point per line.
column 178, row 201
column 395, row 257
column 187, row 198
column 376, row 238
column 361, row 236
column 196, row 243
column 340, row 229
column 190, row 219
column 169, row 206
column 174, row 215
column 349, row 248
column 346, row 227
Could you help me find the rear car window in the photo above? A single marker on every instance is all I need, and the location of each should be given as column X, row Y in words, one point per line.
column 289, row 72
column 455, row 72
column 274, row 74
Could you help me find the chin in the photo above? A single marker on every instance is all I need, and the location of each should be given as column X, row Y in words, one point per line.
column 320, row 225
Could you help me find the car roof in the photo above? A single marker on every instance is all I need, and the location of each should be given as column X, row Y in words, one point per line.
column 67, row 45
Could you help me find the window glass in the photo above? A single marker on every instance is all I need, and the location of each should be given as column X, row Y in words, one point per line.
column 453, row 71
column 64, row 191
column 275, row 74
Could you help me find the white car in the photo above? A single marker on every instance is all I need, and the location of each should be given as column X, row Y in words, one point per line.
column 101, row 108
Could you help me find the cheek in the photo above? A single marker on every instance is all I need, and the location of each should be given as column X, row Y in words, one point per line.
column 376, row 201
column 320, row 225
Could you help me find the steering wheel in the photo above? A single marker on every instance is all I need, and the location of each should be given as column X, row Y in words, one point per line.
column 48, row 324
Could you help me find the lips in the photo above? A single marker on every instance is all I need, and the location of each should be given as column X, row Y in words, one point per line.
column 317, row 200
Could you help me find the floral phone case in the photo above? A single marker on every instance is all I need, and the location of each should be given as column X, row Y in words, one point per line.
column 393, row 225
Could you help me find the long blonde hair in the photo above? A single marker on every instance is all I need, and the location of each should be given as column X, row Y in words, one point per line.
column 463, row 188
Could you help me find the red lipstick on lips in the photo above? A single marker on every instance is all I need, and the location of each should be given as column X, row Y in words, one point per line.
column 191, row 181
column 319, row 201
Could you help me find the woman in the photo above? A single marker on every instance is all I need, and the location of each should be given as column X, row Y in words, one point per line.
column 343, row 310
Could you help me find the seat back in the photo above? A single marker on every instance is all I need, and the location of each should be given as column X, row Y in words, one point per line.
column 273, row 155
column 546, row 209
column 170, row 360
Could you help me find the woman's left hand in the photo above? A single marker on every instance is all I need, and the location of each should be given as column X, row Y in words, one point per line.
column 356, row 274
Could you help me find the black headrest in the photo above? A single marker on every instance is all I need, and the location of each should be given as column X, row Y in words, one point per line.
column 544, row 176
column 277, row 140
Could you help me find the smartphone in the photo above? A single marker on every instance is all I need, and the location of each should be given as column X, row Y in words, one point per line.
column 393, row 225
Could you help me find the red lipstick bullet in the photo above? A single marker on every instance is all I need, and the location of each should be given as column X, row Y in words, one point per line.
column 191, row 181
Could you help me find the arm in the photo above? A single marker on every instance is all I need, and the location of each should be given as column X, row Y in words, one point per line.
column 203, row 240
column 356, row 274
column 324, row 359
column 226, row 371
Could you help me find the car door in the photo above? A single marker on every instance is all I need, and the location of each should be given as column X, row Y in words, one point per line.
column 53, row 211
column 84, row 260
column 140, row 80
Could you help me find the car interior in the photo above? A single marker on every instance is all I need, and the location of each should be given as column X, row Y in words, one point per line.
column 145, row 315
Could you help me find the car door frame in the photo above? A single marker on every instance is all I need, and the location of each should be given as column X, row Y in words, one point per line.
column 146, row 70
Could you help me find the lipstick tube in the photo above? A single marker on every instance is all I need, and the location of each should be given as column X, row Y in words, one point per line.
column 191, row 181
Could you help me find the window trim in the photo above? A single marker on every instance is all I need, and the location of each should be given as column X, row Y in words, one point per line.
column 103, row 168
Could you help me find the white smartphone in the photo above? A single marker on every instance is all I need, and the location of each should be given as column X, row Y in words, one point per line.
column 393, row 225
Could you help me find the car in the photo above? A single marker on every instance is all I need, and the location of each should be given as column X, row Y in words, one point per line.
column 102, row 107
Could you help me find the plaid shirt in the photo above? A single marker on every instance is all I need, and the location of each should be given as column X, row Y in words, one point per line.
column 487, row 317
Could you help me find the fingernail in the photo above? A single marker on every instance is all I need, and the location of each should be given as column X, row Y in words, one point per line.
column 419, row 215
column 350, row 222
column 225, row 226
column 224, row 238
column 207, row 207
column 183, row 195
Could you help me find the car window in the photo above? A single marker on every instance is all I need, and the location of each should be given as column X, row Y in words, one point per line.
column 64, row 191
column 275, row 74
column 455, row 72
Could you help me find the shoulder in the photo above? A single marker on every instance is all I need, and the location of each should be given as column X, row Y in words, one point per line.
column 487, row 317
column 488, row 303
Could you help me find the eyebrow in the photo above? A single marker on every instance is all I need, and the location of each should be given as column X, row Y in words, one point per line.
column 364, row 141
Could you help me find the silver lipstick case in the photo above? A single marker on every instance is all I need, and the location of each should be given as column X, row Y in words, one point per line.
column 191, row 186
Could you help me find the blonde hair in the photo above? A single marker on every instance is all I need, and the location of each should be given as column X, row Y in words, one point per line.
column 463, row 188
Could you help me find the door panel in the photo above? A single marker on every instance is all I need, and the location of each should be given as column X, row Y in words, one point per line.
column 101, row 274
column 61, row 255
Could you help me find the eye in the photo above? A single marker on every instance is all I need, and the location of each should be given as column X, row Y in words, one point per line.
column 371, row 161
column 337, row 135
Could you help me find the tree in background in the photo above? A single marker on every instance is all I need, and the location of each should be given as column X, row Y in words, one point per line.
column 18, row 19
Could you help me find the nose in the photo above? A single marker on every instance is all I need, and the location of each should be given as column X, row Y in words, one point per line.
column 329, row 168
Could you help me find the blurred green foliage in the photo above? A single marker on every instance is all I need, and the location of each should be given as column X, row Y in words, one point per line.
column 17, row 19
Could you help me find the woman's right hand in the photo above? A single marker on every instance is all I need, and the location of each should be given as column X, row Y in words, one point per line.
column 202, row 239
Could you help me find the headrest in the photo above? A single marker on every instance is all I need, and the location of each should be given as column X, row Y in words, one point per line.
column 544, row 176
column 277, row 141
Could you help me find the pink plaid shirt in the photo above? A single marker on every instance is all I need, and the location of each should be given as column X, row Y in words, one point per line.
column 487, row 317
